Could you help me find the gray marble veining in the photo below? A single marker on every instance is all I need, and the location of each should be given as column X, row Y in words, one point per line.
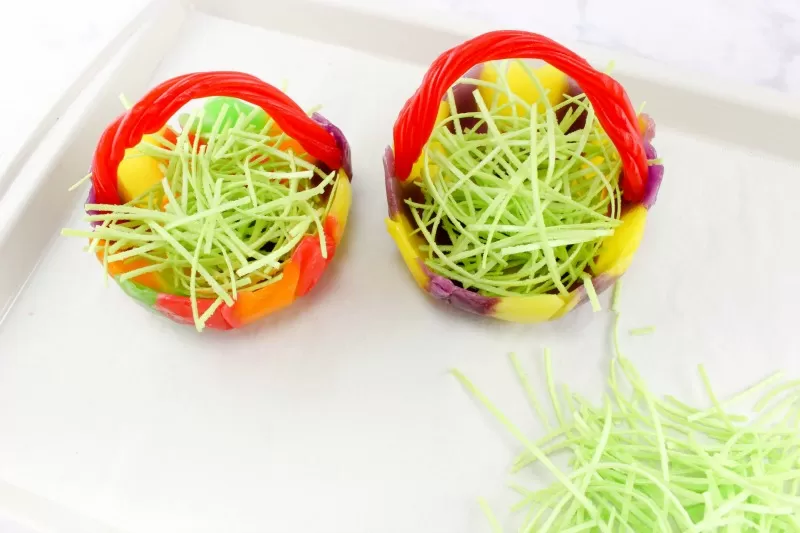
column 750, row 41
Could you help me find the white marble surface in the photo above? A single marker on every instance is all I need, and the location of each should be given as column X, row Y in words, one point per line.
column 745, row 41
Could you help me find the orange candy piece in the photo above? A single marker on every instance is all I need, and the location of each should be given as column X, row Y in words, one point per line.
column 148, row 279
column 250, row 306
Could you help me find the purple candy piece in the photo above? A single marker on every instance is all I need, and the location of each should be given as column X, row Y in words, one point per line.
column 655, row 175
column 465, row 101
column 92, row 199
column 442, row 288
column 396, row 192
column 394, row 189
column 341, row 141
column 464, row 91
column 573, row 89
column 601, row 283
column 650, row 150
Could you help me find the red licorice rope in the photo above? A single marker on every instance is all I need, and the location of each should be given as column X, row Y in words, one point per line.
column 159, row 105
column 610, row 102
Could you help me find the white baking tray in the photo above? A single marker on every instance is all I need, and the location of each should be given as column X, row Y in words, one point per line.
column 338, row 415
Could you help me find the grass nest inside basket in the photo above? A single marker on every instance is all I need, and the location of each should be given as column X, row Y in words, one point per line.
column 514, row 198
column 235, row 200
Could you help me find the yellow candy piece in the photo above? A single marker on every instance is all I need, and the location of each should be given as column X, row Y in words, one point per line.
column 597, row 161
column 408, row 244
column 529, row 309
column 444, row 111
column 416, row 170
column 570, row 302
column 150, row 138
column 340, row 205
column 552, row 80
column 606, row 143
column 617, row 251
column 138, row 173
column 642, row 124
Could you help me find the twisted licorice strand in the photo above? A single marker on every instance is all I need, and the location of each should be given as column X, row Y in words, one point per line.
column 609, row 100
column 153, row 111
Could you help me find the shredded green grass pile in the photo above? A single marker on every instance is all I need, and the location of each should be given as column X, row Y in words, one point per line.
column 640, row 463
column 226, row 216
column 517, row 204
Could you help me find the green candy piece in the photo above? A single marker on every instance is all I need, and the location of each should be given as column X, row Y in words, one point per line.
column 140, row 293
column 235, row 109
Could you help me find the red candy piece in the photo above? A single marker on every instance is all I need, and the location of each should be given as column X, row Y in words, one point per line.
column 179, row 309
column 308, row 256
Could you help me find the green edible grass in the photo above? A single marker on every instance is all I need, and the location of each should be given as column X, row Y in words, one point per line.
column 233, row 211
column 644, row 330
column 642, row 463
column 591, row 293
column 517, row 204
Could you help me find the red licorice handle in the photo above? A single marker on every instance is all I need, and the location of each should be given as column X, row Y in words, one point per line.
column 162, row 102
column 610, row 101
